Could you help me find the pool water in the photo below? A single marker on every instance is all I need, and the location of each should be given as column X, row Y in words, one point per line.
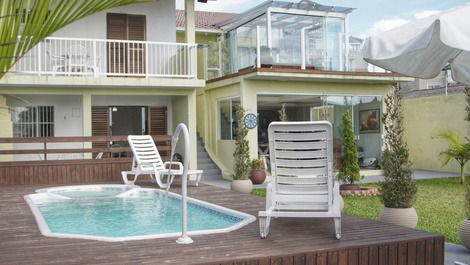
column 117, row 213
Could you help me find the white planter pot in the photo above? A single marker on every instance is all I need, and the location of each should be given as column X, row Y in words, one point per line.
column 465, row 233
column 399, row 216
column 242, row 186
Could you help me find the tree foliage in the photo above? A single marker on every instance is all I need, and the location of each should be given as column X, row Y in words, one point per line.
column 458, row 150
column 242, row 151
column 398, row 190
column 349, row 171
column 24, row 23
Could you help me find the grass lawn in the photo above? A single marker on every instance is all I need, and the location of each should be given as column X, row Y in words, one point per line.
column 440, row 206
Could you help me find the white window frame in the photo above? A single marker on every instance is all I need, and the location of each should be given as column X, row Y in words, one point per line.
column 219, row 129
column 35, row 122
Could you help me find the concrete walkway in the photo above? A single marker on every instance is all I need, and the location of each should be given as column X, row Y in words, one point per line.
column 417, row 174
column 455, row 253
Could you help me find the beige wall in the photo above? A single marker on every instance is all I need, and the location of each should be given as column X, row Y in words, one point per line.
column 7, row 127
column 221, row 150
column 424, row 118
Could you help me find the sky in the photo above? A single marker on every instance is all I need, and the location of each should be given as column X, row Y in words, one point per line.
column 369, row 17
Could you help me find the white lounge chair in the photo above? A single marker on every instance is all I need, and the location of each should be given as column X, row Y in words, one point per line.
column 302, row 174
column 147, row 161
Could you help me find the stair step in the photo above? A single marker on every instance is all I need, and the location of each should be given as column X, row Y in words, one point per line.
column 211, row 172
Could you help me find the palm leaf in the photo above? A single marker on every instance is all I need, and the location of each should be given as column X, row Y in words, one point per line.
column 24, row 23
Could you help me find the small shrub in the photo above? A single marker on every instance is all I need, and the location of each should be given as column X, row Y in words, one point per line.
column 350, row 170
column 257, row 164
column 241, row 153
column 398, row 190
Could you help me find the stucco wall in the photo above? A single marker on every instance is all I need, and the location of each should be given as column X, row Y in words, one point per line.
column 160, row 17
column 424, row 117
column 7, row 127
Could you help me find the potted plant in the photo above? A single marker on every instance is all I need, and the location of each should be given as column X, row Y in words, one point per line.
column 241, row 154
column 349, row 172
column 459, row 150
column 257, row 174
column 398, row 190
column 464, row 232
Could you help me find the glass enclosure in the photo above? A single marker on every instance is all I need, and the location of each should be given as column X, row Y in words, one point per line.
column 365, row 114
column 304, row 34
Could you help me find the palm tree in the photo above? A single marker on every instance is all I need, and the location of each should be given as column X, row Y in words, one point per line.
column 24, row 23
column 459, row 150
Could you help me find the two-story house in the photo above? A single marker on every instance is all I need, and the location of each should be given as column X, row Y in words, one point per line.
column 117, row 72
column 292, row 57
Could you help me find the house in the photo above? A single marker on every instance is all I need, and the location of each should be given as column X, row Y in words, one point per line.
column 294, row 57
column 117, row 72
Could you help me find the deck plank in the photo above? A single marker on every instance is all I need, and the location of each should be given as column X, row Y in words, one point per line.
column 291, row 241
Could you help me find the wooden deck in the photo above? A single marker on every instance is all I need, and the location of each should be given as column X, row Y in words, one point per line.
column 291, row 241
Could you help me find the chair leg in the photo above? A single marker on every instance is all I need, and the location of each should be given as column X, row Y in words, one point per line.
column 264, row 222
column 337, row 227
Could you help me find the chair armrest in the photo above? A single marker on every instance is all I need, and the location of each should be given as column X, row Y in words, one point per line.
column 177, row 171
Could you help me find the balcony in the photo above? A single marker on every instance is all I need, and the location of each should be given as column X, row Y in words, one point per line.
column 109, row 58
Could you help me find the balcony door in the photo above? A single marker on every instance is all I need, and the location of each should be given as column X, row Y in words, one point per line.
column 126, row 58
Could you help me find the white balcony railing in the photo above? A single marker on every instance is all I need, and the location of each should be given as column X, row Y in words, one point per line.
column 101, row 57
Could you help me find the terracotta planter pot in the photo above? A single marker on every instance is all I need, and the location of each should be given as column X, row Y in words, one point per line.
column 399, row 216
column 258, row 176
column 465, row 233
column 242, row 186
column 349, row 187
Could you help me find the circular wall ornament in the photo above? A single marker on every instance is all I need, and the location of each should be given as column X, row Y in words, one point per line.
column 251, row 121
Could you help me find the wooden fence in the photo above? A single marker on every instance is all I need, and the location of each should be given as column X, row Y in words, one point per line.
column 103, row 165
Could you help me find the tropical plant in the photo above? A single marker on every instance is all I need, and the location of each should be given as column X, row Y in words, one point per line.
column 256, row 164
column 24, row 23
column 349, row 171
column 241, row 153
column 398, row 190
column 459, row 150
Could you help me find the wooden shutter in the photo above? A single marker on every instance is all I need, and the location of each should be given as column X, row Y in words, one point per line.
column 99, row 125
column 126, row 57
column 158, row 121
column 136, row 51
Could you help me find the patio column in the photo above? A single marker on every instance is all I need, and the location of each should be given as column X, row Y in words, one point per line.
column 249, row 101
column 86, row 110
column 189, row 27
column 192, row 120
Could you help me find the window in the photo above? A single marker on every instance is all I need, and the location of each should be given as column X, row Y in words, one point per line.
column 226, row 113
column 37, row 121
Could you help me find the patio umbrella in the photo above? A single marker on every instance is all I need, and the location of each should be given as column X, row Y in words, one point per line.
column 424, row 47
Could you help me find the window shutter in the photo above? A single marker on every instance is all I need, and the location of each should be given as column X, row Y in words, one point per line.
column 158, row 121
column 99, row 125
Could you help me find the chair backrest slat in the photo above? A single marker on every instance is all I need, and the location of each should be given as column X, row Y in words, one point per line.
column 301, row 159
column 145, row 150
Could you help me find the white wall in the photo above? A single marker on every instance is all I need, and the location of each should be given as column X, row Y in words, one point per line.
column 68, row 116
column 160, row 17
column 67, row 122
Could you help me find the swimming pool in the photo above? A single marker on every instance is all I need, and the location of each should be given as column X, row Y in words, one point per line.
column 120, row 213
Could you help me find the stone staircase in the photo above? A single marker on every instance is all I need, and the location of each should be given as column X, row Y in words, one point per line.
column 205, row 163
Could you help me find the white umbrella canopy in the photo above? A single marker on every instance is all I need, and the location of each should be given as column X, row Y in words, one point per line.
column 422, row 48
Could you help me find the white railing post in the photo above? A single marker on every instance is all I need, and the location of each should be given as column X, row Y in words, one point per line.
column 205, row 56
column 302, row 48
column 39, row 58
column 219, row 43
column 146, row 51
column 95, row 61
column 258, row 47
